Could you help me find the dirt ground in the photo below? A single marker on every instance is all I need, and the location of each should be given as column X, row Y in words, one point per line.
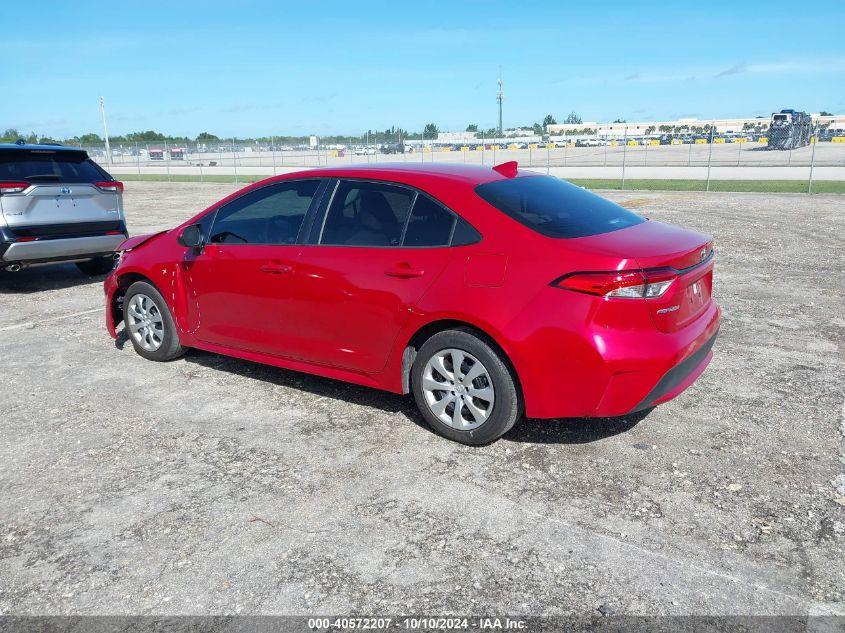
column 213, row 485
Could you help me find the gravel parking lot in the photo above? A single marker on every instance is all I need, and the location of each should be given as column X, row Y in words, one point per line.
column 213, row 485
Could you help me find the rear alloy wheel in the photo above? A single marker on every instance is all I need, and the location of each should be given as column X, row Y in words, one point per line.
column 464, row 389
column 149, row 324
column 97, row 266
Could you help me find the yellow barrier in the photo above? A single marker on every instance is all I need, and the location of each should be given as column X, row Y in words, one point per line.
column 719, row 140
column 445, row 149
column 550, row 145
column 333, row 153
column 701, row 141
column 614, row 143
column 464, row 148
column 677, row 141
column 633, row 143
column 741, row 140
column 513, row 146
column 654, row 142
column 763, row 140
column 838, row 139
column 495, row 148
column 479, row 148
column 427, row 150
column 532, row 146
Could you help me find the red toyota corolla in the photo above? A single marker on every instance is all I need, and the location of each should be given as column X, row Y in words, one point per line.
column 486, row 292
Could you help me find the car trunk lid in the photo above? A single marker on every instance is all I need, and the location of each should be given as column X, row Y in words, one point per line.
column 655, row 245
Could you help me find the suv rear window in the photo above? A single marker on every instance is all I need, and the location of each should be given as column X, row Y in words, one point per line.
column 49, row 166
column 556, row 208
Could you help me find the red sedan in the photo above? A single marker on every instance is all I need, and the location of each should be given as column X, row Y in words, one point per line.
column 488, row 293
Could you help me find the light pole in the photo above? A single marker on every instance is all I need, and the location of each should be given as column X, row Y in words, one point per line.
column 105, row 129
column 500, row 97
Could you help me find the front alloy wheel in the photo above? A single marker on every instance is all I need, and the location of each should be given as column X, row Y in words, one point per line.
column 145, row 323
column 149, row 324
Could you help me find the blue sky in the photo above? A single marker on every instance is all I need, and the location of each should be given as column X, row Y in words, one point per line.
column 260, row 68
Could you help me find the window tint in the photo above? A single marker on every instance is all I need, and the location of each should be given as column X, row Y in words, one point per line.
column 367, row 214
column 270, row 215
column 555, row 207
column 49, row 166
column 429, row 224
column 464, row 234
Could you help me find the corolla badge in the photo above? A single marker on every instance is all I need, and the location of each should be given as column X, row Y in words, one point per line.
column 66, row 190
column 703, row 253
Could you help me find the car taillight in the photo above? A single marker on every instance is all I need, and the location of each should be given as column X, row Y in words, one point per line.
column 638, row 284
column 12, row 187
column 110, row 185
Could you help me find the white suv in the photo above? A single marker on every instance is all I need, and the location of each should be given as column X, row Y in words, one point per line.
column 56, row 204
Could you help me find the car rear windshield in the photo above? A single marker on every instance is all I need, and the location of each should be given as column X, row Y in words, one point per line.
column 49, row 166
column 556, row 208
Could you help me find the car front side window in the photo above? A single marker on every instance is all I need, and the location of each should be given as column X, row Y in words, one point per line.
column 269, row 215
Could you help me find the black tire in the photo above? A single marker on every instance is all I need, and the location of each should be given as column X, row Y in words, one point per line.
column 97, row 266
column 507, row 406
column 170, row 347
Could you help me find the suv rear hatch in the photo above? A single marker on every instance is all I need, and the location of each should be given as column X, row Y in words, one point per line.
column 65, row 191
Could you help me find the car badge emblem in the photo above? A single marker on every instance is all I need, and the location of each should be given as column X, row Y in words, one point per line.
column 65, row 189
column 703, row 253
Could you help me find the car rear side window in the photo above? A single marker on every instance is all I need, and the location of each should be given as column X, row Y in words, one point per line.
column 366, row 214
column 49, row 166
column 556, row 208
column 269, row 215
column 429, row 225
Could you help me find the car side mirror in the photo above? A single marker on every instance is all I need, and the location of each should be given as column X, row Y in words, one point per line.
column 191, row 236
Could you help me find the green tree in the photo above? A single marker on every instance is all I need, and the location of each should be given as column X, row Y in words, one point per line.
column 431, row 130
column 573, row 118
column 89, row 139
column 538, row 129
column 650, row 130
column 10, row 135
column 472, row 127
column 825, row 113
column 550, row 120
column 204, row 137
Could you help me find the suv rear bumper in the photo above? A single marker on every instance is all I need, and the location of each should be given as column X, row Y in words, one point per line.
column 59, row 249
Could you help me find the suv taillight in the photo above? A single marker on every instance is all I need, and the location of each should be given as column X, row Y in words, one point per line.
column 12, row 187
column 638, row 284
column 110, row 185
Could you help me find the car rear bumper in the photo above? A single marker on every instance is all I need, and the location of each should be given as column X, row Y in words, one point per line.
column 45, row 250
column 588, row 367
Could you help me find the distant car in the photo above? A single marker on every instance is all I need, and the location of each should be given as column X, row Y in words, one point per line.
column 484, row 292
column 58, row 205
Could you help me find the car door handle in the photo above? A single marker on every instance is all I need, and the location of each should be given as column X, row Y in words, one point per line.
column 276, row 269
column 404, row 271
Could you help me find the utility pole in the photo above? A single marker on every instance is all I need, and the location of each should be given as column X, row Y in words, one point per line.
column 500, row 97
column 105, row 129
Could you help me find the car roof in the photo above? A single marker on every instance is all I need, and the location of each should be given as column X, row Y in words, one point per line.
column 407, row 172
column 36, row 146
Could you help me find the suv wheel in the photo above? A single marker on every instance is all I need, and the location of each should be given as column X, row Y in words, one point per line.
column 149, row 324
column 97, row 266
column 464, row 389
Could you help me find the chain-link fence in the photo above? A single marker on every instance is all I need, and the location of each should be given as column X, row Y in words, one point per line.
column 704, row 155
